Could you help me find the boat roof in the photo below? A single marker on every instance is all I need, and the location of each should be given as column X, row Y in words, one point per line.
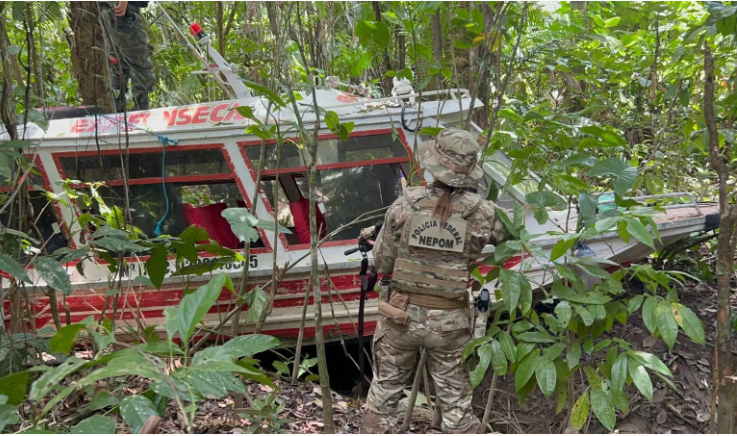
column 224, row 115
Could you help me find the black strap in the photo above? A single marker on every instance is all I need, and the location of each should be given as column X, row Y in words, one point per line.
column 368, row 282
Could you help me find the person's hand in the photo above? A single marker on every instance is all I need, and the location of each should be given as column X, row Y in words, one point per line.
column 120, row 8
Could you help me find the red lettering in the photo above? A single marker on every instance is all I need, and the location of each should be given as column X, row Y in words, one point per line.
column 184, row 117
column 199, row 113
column 216, row 115
column 81, row 126
column 144, row 118
column 169, row 117
column 135, row 118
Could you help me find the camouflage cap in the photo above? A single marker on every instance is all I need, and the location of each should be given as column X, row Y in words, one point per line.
column 452, row 158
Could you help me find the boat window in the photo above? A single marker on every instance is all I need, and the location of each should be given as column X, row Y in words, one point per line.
column 344, row 191
column 199, row 185
column 331, row 151
column 145, row 165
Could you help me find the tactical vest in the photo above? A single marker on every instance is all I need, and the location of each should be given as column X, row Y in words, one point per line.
column 433, row 257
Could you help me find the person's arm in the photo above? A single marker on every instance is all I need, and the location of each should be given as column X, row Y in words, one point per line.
column 486, row 228
column 385, row 247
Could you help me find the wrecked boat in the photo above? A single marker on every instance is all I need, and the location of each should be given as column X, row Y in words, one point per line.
column 196, row 161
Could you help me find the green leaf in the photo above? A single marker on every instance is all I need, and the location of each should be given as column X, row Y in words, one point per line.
column 118, row 245
column 14, row 387
column 242, row 223
column 585, row 315
column 63, row 339
column 536, row 337
column 8, row 413
column 546, row 377
column 135, row 410
column 195, row 305
column 690, row 323
column 50, row 379
column 470, row 347
column 641, row 378
column 580, row 412
column 554, row 351
column 640, row 232
column 157, row 264
column 649, row 314
column 508, row 347
column 280, row 367
column 563, row 312
column 256, row 300
column 215, row 384
column 251, row 344
column 96, row 424
column 53, row 274
column 651, row 362
column 546, row 199
column 603, row 408
column 498, row 359
column 624, row 175
column 477, row 375
column 102, row 400
column 12, row 267
column 573, row 354
column 561, row 248
column 635, row 303
column 526, row 369
column 667, row 324
column 513, row 285
column 13, row 50
column 619, row 372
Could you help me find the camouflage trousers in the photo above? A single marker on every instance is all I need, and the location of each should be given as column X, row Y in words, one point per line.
column 129, row 47
column 443, row 334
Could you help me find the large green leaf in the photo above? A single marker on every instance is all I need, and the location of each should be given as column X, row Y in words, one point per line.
column 14, row 387
column 119, row 245
column 667, row 324
column 256, row 300
column 470, row 347
column 196, row 304
column 53, row 274
column 513, row 285
column 373, row 32
column 242, row 223
column 498, row 359
column 97, row 424
column 135, row 410
column 585, row 315
column 546, row 377
column 649, row 317
column 477, row 375
column 651, row 362
column 580, row 412
column 619, row 372
column 640, row 378
column 546, row 199
column 640, row 232
column 603, row 408
column 249, row 345
column 157, row 264
column 536, row 337
column 12, row 267
column 102, row 400
column 690, row 323
column 51, row 378
column 526, row 369
column 563, row 313
column 215, row 384
column 508, row 347
column 64, row 338
column 624, row 175
column 8, row 413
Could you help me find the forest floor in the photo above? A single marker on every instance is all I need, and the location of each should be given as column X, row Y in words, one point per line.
column 684, row 411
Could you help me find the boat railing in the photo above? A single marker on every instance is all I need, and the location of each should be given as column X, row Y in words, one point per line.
column 650, row 198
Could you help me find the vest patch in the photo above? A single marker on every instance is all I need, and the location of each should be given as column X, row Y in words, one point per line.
column 427, row 232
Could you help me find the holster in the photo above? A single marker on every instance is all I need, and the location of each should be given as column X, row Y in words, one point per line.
column 395, row 308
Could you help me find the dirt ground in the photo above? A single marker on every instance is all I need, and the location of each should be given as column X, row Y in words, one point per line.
column 684, row 411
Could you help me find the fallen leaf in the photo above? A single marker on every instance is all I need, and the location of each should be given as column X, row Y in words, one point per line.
column 662, row 417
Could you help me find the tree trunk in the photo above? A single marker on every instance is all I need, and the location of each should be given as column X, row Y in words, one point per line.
column 437, row 47
column 12, row 60
column 220, row 28
column 89, row 58
column 719, row 159
column 386, row 80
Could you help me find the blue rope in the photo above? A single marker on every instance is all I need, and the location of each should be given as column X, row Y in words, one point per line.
column 164, row 142
column 158, row 232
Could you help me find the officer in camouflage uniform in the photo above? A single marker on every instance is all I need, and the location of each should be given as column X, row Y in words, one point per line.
column 430, row 239
column 129, row 49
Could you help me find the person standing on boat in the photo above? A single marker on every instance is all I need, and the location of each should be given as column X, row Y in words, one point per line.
column 429, row 241
column 130, row 57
